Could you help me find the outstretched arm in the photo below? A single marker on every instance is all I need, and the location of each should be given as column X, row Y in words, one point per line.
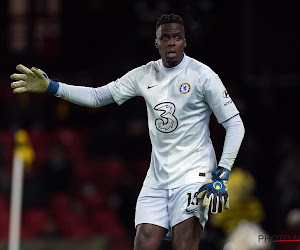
column 85, row 96
column 36, row 81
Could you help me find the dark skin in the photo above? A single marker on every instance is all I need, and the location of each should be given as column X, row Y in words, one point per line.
column 185, row 235
column 170, row 42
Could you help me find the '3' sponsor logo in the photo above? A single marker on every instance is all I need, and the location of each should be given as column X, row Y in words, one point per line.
column 167, row 122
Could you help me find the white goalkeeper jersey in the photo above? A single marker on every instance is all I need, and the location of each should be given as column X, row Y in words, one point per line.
column 179, row 103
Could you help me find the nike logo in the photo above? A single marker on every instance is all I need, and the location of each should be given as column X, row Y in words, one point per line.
column 149, row 87
column 191, row 208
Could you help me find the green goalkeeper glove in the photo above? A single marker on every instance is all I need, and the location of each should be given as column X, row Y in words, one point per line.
column 32, row 80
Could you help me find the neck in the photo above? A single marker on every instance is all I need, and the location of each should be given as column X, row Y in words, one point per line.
column 171, row 64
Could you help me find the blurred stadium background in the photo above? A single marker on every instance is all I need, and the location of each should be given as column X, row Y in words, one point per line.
column 89, row 164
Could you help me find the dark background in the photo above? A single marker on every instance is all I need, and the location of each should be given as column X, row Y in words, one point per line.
column 252, row 45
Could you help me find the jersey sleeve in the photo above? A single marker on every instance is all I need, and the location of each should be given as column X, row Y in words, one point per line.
column 126, row 87
column 218, row 98
column 85, row 96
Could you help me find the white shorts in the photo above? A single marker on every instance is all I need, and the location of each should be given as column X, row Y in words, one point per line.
column 167, row 207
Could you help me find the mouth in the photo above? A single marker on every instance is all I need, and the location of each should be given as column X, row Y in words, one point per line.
column 171, row 54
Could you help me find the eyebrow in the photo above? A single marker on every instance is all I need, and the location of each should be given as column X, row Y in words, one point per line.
column 173, row 34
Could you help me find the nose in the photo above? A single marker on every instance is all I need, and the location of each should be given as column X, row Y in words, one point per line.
column 171, row 42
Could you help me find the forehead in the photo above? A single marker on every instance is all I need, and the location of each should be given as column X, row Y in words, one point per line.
column 170, row 28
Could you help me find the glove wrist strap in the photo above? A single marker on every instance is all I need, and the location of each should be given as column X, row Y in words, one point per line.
column 52, row 87
column 221, row 174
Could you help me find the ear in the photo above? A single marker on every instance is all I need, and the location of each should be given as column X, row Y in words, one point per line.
column 155, row 43
column 184, row 43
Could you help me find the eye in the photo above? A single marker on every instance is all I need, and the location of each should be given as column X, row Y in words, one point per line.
column 177, row 38
column 164, row 38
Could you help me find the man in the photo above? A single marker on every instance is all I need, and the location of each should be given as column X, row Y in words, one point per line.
column 183, row 179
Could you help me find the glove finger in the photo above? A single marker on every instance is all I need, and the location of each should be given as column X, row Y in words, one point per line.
column 226, row 205
column 20, row 90
column 221, row 204
column 226, row 200
column 17, row 84
column 203, row 187
column 18, row 77
column 215, row 204
column 39, row 73
column 24, row 70
column 207, row 199
column 200, row 195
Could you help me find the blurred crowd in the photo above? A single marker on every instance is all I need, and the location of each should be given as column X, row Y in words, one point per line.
column 89, row 164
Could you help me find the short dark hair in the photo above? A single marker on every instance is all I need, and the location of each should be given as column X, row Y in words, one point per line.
column 169, row 18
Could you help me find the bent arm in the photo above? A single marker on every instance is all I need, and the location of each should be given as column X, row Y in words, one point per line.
column 235, row 131
column 85, row 96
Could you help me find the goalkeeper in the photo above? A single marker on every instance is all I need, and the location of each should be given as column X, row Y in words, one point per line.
column 184, row 178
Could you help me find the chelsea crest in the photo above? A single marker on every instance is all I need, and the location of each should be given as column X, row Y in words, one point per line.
column 184, row 88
